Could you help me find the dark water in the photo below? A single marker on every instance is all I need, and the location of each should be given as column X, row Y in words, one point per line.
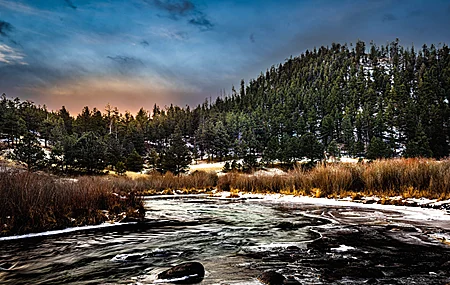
column 235, row 241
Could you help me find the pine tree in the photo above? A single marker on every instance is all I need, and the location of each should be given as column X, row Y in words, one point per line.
column 29, row 151
column 134, row 162
column 311, row 148
column 419, row 145
column 377, row 148
column 90, row 153
column 176, row 158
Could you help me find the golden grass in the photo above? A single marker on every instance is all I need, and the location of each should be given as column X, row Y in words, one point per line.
column 207, row 167
column 32, row 202
column 156, row 183
column 410, row 178
column 36, row 201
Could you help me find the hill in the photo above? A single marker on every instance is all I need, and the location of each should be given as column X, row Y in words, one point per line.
column 357, row 100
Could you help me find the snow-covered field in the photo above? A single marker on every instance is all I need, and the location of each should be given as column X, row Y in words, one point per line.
column 218, row 166
column 201, row 166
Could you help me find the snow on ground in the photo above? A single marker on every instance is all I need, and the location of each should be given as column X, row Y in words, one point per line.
column 342, row 248
column 63, row 231
column 408, row 213
column 217, row 167
column 442, row 237
column 269, row 172
column 348, row 159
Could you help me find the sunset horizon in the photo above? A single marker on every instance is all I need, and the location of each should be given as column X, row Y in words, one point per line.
column 136, row 54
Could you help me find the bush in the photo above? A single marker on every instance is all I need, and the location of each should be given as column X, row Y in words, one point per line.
column 37, row 202
column 413, row 177
column 134, row 162
column 120, row 168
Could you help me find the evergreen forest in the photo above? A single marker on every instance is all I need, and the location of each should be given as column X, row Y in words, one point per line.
column 352, row 100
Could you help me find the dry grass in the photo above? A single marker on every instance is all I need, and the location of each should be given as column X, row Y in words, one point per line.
column 410, row 178
column 156, row 183
column 33, row 202
column 207, row 167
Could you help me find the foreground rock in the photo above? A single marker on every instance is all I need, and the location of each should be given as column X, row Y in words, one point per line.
column 185, row 273
column 271, row 278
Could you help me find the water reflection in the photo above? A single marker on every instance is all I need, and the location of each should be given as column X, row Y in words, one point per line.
column 178, row 230
column 236, row 241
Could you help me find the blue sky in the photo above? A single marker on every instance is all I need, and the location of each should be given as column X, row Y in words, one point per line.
column 135, row 53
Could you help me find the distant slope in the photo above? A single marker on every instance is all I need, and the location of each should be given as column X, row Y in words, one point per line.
column 355, row 101
column 389, row 101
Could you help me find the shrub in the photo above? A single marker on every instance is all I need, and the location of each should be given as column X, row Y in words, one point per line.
column 413, row 177
column 36, row 202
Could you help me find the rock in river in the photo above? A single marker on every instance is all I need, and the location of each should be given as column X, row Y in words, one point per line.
column 271, row 278
column 185, row 273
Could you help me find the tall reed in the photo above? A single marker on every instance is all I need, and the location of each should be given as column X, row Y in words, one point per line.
column 33, row 202
column 413, row 177
column 155, row 183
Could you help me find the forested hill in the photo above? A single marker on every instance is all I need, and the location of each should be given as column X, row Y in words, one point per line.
column 388, row 101
column 355, row 100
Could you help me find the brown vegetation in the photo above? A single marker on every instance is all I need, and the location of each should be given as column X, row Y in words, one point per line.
column 157, row 183
column 394, row 177
column 414, row 177
column 35, row 202
column 32, row 202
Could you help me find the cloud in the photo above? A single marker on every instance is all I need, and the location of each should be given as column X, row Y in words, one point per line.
column 125, row 60
column 18, row 7
column 144, row 43
column 170, row 34
column 126, row 64
column 70, row 4
column 388, row 17
column 174, row 7
column 127, row 93
column 10, row 56
column 5, row 28
column 177, row 9
column 201, row 22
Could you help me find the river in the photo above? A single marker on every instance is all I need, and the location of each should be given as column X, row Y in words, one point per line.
column 236, row 241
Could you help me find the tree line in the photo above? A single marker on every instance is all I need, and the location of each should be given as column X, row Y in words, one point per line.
column 353, row 100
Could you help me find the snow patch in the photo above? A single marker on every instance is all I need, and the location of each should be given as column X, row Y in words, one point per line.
column 68, row 230
column 342, row 248
column 127, row 257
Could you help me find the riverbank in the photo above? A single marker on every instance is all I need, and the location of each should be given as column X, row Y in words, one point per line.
column 432, row 211
column 313, row 240
column 366, row 211
column 409, row 178
column 37, row 202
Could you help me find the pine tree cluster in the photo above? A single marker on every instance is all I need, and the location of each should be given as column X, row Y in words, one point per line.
column 358, row 101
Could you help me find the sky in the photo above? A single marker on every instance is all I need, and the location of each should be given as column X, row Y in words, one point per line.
column 137, row 53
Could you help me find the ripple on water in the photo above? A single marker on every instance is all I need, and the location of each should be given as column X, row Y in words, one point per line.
column 234, row 242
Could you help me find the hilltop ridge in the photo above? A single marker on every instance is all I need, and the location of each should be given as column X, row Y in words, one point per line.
column 357, row 100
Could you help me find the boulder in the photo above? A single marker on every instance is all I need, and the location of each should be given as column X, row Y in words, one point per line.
column 290, row 280
column 286, row 226
column 271, row 278
column 185, row 273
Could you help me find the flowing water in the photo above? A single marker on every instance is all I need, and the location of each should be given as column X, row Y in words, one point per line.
column 235, row 241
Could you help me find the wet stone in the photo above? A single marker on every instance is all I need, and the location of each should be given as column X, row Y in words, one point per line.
column 271, row 278
column 286, row 226
column 290, row 280
column 185, row 273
